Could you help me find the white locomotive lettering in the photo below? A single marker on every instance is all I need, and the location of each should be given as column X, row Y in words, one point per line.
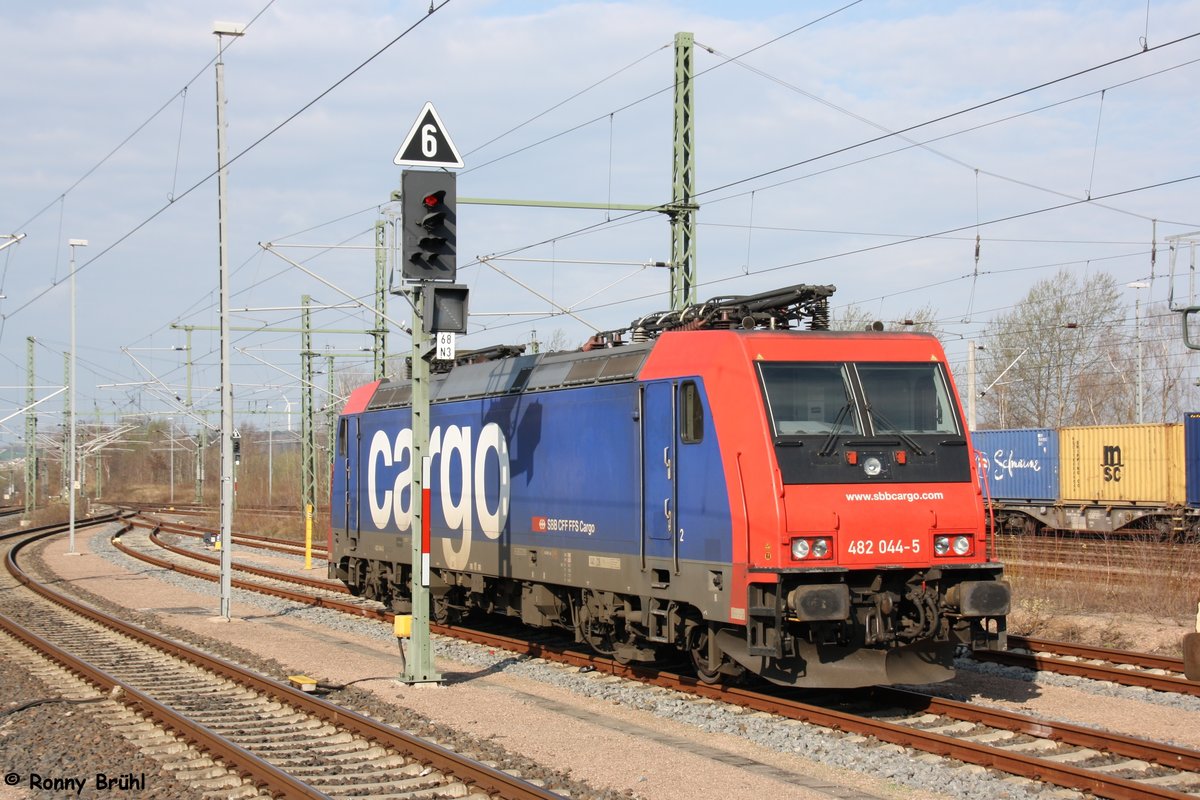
column 456, row 459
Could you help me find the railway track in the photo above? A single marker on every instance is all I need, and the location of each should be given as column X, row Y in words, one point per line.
column 318, row 592
column 274, row 738
column 193, row 509
column 1143, row 670
column 256, row 541
column 1077, row 757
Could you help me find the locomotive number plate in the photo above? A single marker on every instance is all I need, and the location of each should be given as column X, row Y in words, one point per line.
column 883, row 547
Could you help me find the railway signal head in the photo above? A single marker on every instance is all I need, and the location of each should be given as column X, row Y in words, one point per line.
column 445, row 309
column 428, row 248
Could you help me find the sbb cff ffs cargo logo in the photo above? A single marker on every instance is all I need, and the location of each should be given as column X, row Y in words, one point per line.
column 1111, row 463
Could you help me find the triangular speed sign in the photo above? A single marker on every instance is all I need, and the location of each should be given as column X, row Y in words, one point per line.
column 428, row 144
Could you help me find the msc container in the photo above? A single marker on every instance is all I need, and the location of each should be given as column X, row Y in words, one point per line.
column 1191, row 447
column 1127, row 464
column 1019, row 464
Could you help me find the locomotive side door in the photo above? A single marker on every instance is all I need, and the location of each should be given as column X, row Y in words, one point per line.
column 348, row 433
column 659, row 500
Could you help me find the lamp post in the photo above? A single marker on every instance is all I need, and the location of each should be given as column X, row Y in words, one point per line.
column 270, row 457
column 71, row 379
column 171, row 435
column 1137, row 286
column 222, row 29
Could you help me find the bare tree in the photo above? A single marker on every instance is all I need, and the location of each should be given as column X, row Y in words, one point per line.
column 1168, row 388
column 557, row 341
column 854, row 318
column 1056, row 358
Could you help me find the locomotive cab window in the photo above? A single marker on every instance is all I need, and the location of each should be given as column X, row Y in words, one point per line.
column 691, row 414
column 907, row 398
column 342, row 445
column 809, row 399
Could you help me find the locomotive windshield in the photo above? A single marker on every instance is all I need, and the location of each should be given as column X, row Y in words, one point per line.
column 809, row 398
column 907, row 398
column 892, row 398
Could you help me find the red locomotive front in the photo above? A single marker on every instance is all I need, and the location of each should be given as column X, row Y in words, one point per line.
column 859, row 542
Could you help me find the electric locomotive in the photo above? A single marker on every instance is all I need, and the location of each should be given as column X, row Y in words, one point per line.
column 735, row 482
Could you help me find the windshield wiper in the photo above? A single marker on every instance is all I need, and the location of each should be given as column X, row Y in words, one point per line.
column 827, row 448
column 891, row 428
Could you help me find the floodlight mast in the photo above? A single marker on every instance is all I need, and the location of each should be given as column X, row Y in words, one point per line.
column 222, row 29
column 73, row 243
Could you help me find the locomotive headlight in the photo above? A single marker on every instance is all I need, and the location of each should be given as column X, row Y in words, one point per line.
column 872, row 466
column 941, row 545
column 962, row 545
column 811, row 548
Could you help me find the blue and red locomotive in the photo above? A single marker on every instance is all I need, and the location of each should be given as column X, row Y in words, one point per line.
column 798, row 504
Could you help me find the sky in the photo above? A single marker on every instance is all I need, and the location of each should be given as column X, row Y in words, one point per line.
column 865, row 145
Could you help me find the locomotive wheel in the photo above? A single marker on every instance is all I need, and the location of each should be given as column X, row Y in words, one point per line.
column 597, row 634
column 697, row 638
column 442, row 613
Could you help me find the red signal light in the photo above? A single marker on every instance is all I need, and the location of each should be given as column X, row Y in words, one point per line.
column 433, row 200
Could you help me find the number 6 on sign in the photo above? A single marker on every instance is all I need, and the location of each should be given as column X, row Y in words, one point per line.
column 428, row 144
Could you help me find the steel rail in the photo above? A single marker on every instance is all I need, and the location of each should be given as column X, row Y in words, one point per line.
column 274, row 591
column 1096, row 672
column 254, row 540
column 262, row 572
column 1143, row 660
column 1167, row 755
column 487, row 779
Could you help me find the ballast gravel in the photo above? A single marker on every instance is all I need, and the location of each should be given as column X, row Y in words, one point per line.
column 661, row 730
column 57, row 740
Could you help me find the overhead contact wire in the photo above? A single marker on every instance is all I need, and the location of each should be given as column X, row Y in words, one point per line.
column 230, row 161
column 138, row 129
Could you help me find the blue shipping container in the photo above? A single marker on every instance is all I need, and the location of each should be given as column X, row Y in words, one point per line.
column 1191, row 456
column 1020, row 464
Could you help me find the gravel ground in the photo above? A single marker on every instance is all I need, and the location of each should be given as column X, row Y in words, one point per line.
column 614, row 738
